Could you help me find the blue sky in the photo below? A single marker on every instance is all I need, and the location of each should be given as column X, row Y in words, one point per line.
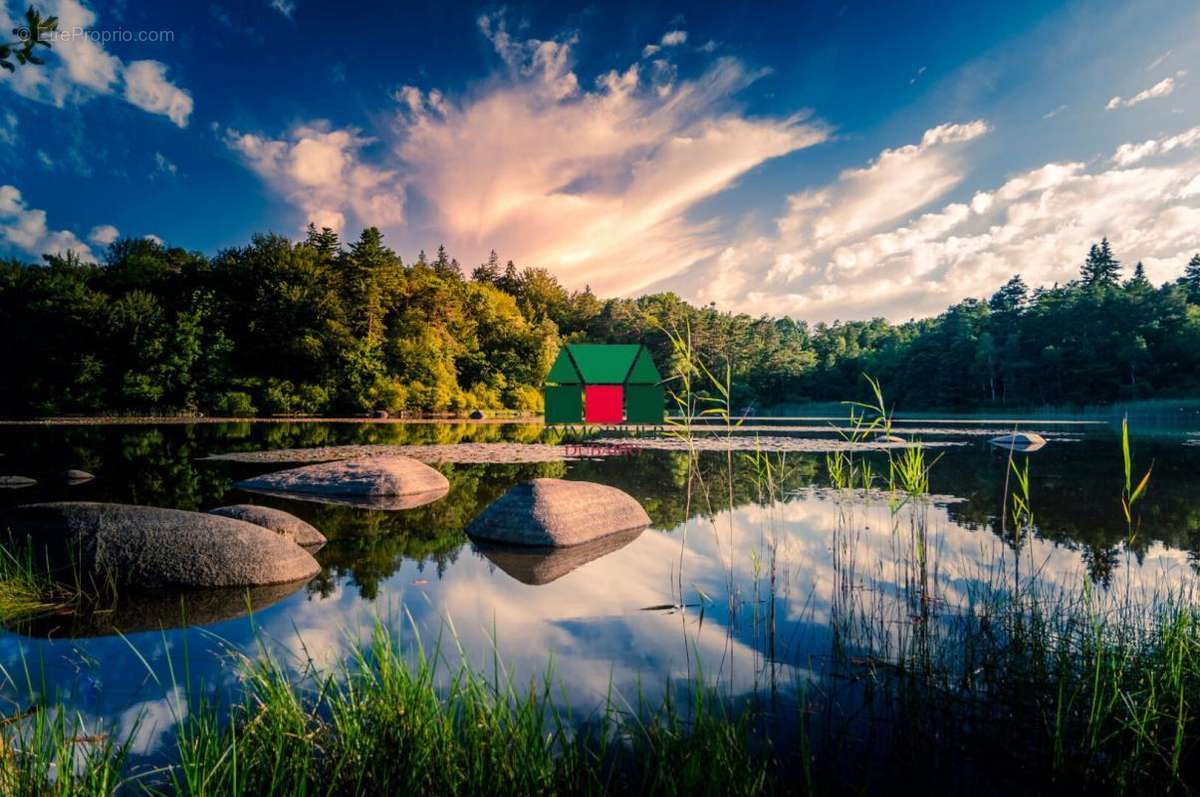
column 822, row 160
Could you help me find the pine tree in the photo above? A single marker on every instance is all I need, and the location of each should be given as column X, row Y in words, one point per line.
column 510, row 282
column 1010, row 298
column 1138, row 282
column 488, row 272
column 326, row 241
column 1191, row 279
column 444, row 266
column 1101, row 268
column 369, row 268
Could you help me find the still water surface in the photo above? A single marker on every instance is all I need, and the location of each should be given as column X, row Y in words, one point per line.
column 746, row 582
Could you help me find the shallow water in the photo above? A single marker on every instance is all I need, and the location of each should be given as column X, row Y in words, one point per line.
column 727, row 582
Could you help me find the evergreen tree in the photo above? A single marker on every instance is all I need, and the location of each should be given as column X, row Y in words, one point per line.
column 488, row 272
column 445, row 267
column 371, row 268
column 1191, row 279
column 510, row 281
column 1101, row 268
column 1011, row 298
column 1138, row 282
column 326, row 241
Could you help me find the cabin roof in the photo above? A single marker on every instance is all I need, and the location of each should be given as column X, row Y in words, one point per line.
column 604, row 364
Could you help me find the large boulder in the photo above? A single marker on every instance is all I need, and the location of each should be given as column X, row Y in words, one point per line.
column 74, row 476
column 1020, row 441
column 389, row 482
column 551, row 513
column 14, row 482
column 276, row 520
column 537, row 566
column 143, row 546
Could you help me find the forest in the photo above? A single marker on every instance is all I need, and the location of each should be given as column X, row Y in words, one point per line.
column 319, row 327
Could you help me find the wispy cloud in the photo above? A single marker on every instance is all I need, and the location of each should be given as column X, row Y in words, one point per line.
column 1162, row 88
column 823, row 266
column 595, row 182
column 285, row 7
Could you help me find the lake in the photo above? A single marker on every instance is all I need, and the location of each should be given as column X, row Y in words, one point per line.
column 757, row 572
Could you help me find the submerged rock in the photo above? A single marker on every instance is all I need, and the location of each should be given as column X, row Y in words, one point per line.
column 555, row 512
column 276, row 520
column 383, row 482
column 537, row 566
column 131, row 610
column 76, row 476
column 1020, row 441
column 13, row 482
column 149, row 547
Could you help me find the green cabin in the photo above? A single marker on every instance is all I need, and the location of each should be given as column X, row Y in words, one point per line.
column 604, row 383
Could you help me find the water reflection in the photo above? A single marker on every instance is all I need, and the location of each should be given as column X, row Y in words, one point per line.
column 155, row 611
column 753, row 587
column 536, row 566
column 383, row 503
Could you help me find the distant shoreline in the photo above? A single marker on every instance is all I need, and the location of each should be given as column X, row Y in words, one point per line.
column 184, row 420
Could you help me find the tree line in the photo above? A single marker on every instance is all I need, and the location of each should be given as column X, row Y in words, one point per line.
column 320, row 327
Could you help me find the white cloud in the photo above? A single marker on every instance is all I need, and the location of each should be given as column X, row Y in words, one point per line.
column 1129, row 154
column 285, row 7
column 897, row 183
column 823, row 264
column 320, row 170
column 673, row 38
column 164, row 164
column 103, row 234
column 1162, row 88
column 8, row 128
column 153, row 239
column 1157, row 62
column 594, row 183
column 147, row 87
column 24, row 228
column 45, row 159
column 79, row 68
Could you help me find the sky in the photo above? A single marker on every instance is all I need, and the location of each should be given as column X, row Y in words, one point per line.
column 820, row 160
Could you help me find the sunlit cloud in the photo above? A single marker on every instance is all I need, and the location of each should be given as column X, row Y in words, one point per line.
column 103, row 234
column 593, row 183
column 319, row 169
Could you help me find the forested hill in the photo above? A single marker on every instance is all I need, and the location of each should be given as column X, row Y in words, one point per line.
column 321, row 327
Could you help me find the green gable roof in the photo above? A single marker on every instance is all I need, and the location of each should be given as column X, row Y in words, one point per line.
column 563, row 371
column 644, row 372
column 604, row 363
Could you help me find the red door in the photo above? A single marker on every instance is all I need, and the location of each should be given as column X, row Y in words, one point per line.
column 603, row 404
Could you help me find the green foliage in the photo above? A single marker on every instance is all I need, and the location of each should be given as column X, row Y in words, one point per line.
column 316, row 327
column 30, row 36
column 234, row 404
